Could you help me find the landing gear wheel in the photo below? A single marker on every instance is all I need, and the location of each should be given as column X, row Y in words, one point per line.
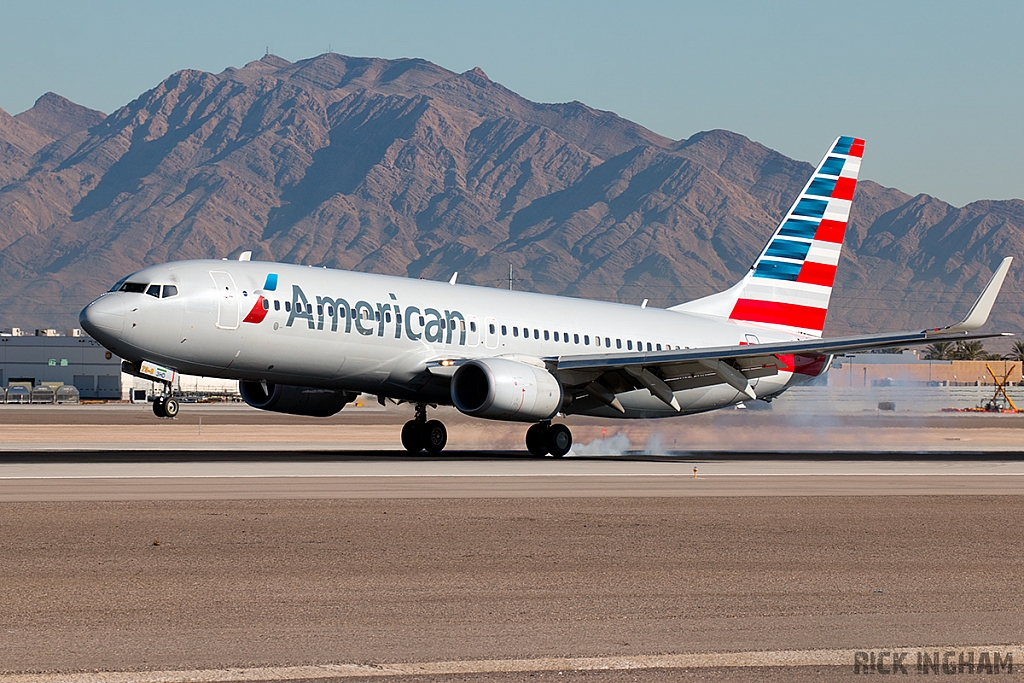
column 170, row 408
column 559, row 440
column 412, row 437
column 435, row 436
column 158, row 406
column 535, row 441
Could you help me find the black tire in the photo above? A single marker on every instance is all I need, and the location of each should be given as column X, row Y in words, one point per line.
column 158, row 406
column 412, row 438
column 435, row 436
column 171, row 408
column 559, row 440
column 536, row 442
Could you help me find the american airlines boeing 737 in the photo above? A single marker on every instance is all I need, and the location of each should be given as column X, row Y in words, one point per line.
column 307, row 341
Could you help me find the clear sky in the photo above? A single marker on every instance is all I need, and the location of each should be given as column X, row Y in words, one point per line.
column 936, row 88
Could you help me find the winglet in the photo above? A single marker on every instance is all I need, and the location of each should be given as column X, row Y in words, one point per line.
column 983, row 306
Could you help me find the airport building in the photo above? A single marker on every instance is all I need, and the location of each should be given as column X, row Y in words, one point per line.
column 49, row 360
column 35, row 368
column 909, row 369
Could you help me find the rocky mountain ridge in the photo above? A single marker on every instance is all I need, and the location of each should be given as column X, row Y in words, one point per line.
column 406, row 168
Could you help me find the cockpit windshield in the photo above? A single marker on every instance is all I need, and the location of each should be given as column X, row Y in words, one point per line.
column 133, row 287
column 154, row 290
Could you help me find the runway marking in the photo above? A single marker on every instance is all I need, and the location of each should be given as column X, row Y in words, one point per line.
column 776, row 658
column 680, row 475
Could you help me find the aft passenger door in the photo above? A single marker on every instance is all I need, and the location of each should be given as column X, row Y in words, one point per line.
column 227, row 300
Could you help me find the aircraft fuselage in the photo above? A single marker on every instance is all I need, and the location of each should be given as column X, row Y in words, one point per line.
column 376, row 334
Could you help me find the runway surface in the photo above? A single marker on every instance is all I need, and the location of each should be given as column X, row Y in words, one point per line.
column 215, row 584
column 48, row 429
column 218, row 475
column 256, row 562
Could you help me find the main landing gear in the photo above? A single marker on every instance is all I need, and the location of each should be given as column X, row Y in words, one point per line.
column 544, row 437
column 421, row 434
column 165, row 406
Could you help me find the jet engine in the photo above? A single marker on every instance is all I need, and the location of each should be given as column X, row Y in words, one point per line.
column 285, row 398
column 503, row 389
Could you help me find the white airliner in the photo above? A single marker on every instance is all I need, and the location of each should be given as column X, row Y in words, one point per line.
column 307, row 340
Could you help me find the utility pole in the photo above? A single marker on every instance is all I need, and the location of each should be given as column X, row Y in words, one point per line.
column 510, row 276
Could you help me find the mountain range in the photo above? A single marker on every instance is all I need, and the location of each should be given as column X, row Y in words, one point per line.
column 406, row 168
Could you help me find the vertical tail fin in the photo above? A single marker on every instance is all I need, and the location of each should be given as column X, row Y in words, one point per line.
column 790, row 283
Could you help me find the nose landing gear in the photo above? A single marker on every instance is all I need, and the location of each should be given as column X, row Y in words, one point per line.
column 421, row 434
column 544, row 437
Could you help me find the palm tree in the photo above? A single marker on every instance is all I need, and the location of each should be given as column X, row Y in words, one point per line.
column 970, row 350
column 939, row 351
column 1017, row 353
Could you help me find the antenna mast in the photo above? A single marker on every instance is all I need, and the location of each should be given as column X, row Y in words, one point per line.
column 510, row 276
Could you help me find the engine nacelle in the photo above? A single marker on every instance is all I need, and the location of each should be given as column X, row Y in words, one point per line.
column 503, row 389
column 285, row 398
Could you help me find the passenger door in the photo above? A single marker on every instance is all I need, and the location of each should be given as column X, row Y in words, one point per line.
column 227, row 300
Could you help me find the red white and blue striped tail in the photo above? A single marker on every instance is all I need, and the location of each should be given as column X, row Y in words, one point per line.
column 790, row 283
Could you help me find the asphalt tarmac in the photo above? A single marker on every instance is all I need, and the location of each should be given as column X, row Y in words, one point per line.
column 336, row 564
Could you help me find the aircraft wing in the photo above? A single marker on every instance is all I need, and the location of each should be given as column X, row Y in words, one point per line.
column 663, row 372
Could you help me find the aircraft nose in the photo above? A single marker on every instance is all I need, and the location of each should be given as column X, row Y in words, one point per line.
column 103, row 319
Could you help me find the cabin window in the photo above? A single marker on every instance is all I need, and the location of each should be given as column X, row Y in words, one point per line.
column 629, row 344
column 133, row 287
column 387, row 316
column 547, row 337
column 659, row 347
column 330, row 311
column 556, row 336
column 288, row 306
column 451, row 324
column 504, row 331
column 608, row 342
column 266, row 304
column 462, row 325
column 277, row 305
column 171, row 290
column 491, row 328
column 515, row 331
column 649, row 346
column 376, row 316
column 422, row 321
column 536, row 333
column 586, row 340
column 575, row 338
column 319, row 309
column 472, row 326
column 398, row 318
